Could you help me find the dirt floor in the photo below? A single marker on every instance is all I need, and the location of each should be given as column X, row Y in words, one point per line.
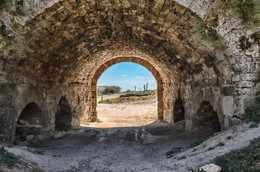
column 128, row 139
column 134, row 114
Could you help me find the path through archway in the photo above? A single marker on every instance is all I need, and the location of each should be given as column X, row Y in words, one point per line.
column 127, row 96
column 146, row 64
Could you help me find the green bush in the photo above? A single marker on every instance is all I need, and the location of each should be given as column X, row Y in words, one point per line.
column 248, row 10
column 211, row 148
column 172, row 152
column 7, row 159
column 253, row 111
column 105, row 101
column 194, row 144
column 254, row 125
column 112, row 90
column 256, row 37
column 3, row 30
column 244, row 43
column 229, row 137
column 19, row 7
column 242, row 160
column 221, row 144
column 2, row 3
column 207, row 32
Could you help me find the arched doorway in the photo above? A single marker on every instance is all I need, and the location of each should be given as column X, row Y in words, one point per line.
column 107, row 64
column 63, row 116
column 207, row 116
column 30, row 122
column 127, row 96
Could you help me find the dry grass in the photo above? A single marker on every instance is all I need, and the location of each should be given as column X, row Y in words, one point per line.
column 133, row 99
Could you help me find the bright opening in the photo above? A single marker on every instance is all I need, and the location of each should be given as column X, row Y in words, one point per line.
column 127, row 96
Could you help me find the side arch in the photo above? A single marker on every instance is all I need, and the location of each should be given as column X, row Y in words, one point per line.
column 30, row 121
column 97, row 73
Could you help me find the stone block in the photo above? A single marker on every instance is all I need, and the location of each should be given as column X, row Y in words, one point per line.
column 227, row 103
column 59, row 135
column 228, row 91
column 211, row 168
column 249, row 77
column 245, row 84
column 29, row 137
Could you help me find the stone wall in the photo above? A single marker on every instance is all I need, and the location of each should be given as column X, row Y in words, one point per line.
column 60, row 49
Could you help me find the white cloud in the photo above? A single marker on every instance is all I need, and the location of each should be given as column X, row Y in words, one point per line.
column 140, row 77
column 124, row 75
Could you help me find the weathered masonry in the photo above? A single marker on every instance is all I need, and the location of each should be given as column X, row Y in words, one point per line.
column 50, row 64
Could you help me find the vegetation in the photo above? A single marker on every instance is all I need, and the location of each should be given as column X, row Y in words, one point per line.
column 106, row 101
column 4, row 38
column 207, row 28
column 146, row 92
column 229, row 137
column 244, row 43
column 2, row 3
column 7, row 159
column 172, row 152
column 3, row 31
column 211, row 148
column 248, row 10
column 183, row 157
column 245, row 159
column 127, row 99
column 110, row 90
column 194, row 144
column 256, row 37
column 253, row 111
column 254, row 125
column 86, row 123
column 19, row 7
column 221, row 144
column 35, row 151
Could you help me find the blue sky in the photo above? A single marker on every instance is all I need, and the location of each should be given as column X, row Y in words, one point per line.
column 128, row 75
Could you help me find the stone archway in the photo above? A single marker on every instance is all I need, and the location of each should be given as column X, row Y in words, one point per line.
column 30, row 122
column 144, row 63
column 207, row 116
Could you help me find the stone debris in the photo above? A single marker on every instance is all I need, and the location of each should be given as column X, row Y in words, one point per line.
column 29, row 137
column 59, row 135
column 210, row 168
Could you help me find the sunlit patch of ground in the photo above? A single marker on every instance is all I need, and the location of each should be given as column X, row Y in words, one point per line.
column 130, row 114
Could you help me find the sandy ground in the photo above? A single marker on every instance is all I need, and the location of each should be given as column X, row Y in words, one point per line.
column 102, row 147
column 126, row 115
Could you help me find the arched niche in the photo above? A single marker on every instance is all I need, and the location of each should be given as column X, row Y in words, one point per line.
column 30, row 122
column 207, row 116
column 63, row 116
column 178, row 110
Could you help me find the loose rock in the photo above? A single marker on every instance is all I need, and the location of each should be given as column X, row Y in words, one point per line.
column 211, row 168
